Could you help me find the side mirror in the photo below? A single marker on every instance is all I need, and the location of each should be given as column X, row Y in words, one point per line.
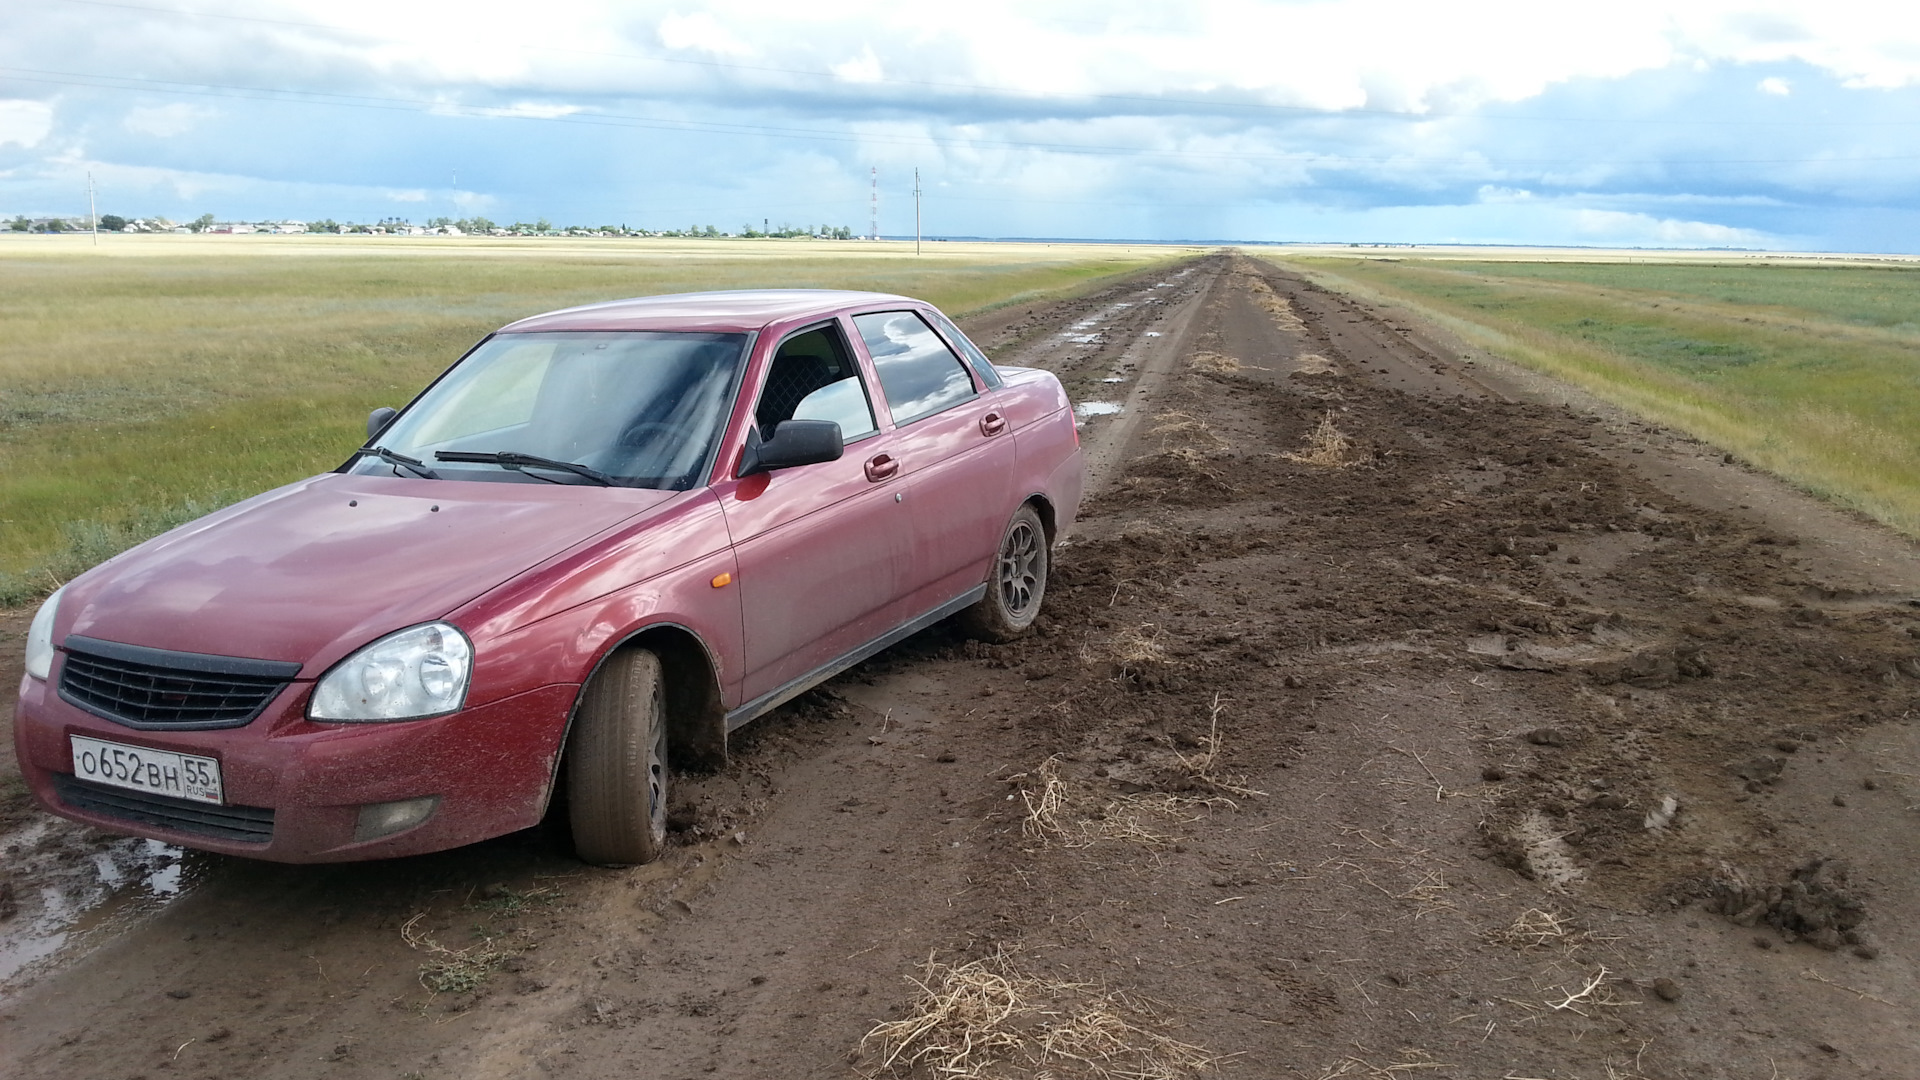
column 794, row 442
column 377, row 421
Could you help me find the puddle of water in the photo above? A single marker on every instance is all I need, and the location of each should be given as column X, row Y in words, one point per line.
column 1114, row 379
column 1153, row 333
column 69, row 880
column 1087, row 409
column 1085, row 339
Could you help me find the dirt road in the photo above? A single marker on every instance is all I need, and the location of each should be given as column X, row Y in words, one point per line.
column 1393, row 715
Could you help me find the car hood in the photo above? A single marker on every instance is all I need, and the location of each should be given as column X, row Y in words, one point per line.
column 313, row 570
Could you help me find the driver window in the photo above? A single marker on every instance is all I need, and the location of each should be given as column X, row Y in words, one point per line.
column 813, row 377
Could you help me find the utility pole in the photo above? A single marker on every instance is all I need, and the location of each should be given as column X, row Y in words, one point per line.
column 92, row 212
column 916, row 211
column 874, row 234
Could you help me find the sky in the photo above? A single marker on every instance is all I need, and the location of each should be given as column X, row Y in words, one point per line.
column 1790, row 125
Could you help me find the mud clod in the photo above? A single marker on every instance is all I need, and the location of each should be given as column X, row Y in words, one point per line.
column 1666, row 989
column 1815, row 904
column 1759, row 770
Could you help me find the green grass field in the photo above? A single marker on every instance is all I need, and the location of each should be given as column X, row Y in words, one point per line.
column 153, row 379
column 1809, row 372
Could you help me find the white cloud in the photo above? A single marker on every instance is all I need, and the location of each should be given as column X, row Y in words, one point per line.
column 533, row 110
column 1773, row 84
column 1621, row 227
column 411, row 195
column 864, row 68
column 1493, row 193
column 24, row 123
column 164, row 121
column 701, row 32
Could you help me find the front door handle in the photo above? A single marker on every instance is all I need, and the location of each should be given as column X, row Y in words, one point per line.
column 882, row 466
column 992, row 424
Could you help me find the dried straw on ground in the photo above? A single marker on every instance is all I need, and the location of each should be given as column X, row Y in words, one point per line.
column 991, row 1017
column 1273, row 304
column 1539, row 928
column 1327, row 446
column 1212, row 363
column 1187, row 429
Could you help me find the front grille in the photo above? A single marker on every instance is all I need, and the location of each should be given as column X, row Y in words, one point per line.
column 244, row 824
column 157, row 689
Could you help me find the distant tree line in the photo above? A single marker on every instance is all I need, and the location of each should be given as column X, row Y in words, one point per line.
column 470, row 226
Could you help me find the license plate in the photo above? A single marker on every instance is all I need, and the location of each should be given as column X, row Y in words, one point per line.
column 140, row 768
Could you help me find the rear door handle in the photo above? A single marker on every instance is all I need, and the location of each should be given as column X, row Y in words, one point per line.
column 992, row 424
column 881, row 466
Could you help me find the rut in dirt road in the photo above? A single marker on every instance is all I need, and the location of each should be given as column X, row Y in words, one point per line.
column 1377, row 726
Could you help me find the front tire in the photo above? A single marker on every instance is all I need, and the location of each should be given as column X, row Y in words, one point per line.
column 617, row 763
column 1017, row 584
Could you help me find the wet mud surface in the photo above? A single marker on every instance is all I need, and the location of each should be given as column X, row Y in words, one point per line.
column 1385, row 720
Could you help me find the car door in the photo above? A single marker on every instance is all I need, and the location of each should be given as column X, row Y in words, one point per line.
column 821, row 547
column 955, row 446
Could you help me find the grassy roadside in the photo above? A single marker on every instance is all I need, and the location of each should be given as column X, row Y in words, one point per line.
column 139, row 392
column 1812, row 373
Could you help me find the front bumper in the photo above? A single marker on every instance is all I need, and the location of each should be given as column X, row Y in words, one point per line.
column 489, row 766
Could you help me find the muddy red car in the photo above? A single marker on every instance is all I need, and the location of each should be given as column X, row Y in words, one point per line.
column 604, row 539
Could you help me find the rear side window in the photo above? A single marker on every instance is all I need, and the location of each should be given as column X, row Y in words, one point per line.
column 918, row 373
column 973, row 354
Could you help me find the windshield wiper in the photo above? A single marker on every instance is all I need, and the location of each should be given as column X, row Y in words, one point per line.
column 512, row 459
column 403, row 460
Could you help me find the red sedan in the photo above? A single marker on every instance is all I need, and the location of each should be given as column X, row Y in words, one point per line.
column 599, row 543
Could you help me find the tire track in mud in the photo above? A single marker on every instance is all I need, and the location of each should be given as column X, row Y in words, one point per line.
column 1342, row 636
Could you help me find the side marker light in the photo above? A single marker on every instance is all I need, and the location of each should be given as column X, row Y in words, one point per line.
column 721, row 581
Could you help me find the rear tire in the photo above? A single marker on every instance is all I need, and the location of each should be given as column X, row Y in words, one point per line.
column 617, row 763
column 1017, row 584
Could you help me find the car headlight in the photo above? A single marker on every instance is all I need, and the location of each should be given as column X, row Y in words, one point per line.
column 40, row 637
column 404, row 676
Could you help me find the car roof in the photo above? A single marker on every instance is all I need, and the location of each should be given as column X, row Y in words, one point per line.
column 733, row 311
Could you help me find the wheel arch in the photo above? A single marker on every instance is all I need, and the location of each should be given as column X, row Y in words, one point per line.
column 1043, row 506
column 696, row 714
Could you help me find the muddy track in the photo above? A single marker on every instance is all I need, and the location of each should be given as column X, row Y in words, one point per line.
column 1384, row 717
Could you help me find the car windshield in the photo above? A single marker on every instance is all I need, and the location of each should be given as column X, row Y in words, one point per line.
column 643, row 408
